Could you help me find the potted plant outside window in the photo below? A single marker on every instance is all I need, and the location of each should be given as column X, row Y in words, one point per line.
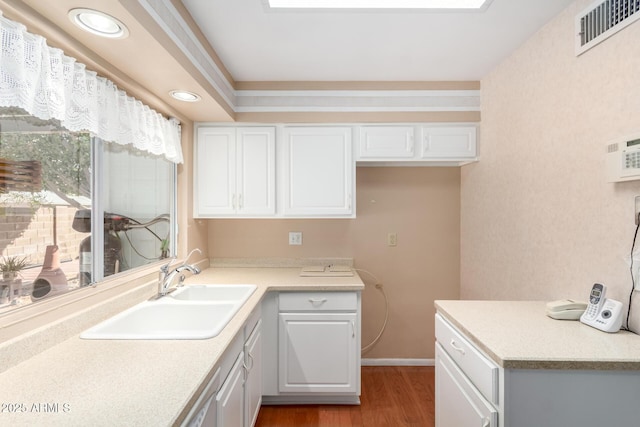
column 10, row 284
column 11, row 266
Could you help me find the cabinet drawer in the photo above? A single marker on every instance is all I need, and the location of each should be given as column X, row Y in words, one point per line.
column 482, row 372
column 458, row 402
column 318, row 301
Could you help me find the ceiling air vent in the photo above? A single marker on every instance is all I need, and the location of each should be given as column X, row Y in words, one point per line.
column 603, row 19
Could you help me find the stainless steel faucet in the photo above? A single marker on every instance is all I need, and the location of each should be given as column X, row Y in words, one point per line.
column 166, row 277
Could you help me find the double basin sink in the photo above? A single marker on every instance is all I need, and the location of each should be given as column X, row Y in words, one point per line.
column 191, row 312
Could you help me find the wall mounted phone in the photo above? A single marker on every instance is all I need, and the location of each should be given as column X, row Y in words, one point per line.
column 602, row 313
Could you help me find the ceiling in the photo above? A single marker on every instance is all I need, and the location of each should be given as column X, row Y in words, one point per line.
column 259, row 44
column 256, row 44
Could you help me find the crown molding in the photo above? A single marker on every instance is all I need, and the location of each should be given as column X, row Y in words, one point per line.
column 307, row 97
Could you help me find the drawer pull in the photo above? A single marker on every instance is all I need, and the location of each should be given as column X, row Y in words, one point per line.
column 250, row 367
column 456, row 347
column 317, row 301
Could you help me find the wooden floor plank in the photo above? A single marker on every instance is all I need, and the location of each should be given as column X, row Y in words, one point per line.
column 401, row 396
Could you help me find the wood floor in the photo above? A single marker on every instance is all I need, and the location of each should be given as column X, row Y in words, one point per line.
column 398, row 396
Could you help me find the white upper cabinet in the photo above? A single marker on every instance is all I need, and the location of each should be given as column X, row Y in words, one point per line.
column 386, row 142
column 448, row 143
column 308, row 171
column 318, row 172
column 416, row 145
column 234, row 172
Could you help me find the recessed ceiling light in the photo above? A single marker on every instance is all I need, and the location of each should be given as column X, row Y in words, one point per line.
column 98, row 23
column 186, row 96
column 379, row 4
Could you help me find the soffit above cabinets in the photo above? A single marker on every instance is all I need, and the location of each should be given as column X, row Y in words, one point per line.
column 249, row 63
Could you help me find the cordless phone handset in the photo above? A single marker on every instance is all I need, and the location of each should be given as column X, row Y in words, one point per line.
column 596, row 299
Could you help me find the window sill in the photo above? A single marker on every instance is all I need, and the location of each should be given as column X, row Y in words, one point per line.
column 37, row 327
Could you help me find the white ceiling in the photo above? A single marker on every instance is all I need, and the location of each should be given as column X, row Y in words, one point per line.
column 259, row 44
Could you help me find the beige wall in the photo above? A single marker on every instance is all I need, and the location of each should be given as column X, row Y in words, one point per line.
column 539, row 220
column 192, row 233
column 422, row 205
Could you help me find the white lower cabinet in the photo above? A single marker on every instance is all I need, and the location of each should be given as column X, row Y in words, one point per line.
column 467, row 382
column 317, row 352
column 236, row 402
column 463, row 405
column 230, row 398
column 312, row 341
column 472, row 390
column 253, row 382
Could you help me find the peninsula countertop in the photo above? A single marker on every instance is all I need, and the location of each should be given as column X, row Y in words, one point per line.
column 137, row 382
column 519, row 335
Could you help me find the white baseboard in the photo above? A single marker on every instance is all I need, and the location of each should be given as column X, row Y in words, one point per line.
column 398, row 362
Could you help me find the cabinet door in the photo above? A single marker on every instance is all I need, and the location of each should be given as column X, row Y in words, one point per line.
column 253, row 384
column 256, row 185
column 386, row 142
column 448, row 142
column 230, row 398
column 317, row 352
column 215, row 171
column 458, row 402
column 319, row 172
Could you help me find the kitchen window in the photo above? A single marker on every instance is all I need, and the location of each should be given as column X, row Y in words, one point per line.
column 87, row 174
column 53, row 184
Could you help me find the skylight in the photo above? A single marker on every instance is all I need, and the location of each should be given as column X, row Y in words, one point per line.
column 379, row 4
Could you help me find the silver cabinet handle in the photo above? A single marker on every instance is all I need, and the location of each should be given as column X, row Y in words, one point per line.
column 245, row 373
column 251, row 361
column 353, row 329
column 486, row 422
column 240, row 206
column 317, row 301
column 456, row 347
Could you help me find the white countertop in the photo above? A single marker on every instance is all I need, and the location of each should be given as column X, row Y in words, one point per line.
column 141, row 383
column 519, row 335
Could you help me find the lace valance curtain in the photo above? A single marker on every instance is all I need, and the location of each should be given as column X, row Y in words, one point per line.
column 50, row 85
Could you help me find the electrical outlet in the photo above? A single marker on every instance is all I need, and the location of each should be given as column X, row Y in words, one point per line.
column 637, row 209
column 392, row 239
column 295, row 237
